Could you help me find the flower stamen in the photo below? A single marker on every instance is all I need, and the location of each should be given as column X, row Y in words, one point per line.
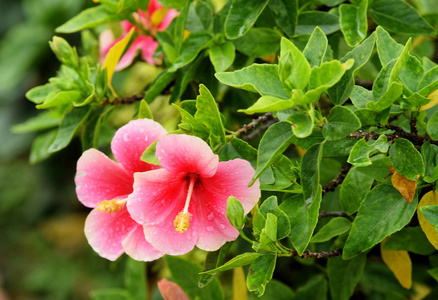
column 182, row 220
column 111, row 206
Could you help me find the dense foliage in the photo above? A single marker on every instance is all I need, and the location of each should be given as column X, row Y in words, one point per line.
column 333, row 104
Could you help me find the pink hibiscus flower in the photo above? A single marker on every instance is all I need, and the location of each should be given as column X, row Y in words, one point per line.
column 156, row 18
column 104, row 185
column 184, row 204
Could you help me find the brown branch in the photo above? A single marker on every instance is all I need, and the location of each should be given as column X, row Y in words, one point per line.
column 337, row 181
column 325, row 214
column 267, row 118
column 124, row 100
column 320, row 254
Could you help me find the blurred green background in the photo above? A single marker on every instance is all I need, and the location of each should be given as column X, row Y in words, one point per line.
column 43, row 251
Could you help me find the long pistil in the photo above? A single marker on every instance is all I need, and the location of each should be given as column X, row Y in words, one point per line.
column 182, row 220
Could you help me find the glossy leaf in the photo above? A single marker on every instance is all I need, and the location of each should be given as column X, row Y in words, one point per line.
column 353, row 21
column 432, row 127
column 411, row 239
column 354, row 189
column 431, row 198
column 302, row 123
column 405, row 186
column 316, row 48
column 334, row 227
column 400, row 17
column 40, row 147
column 260, row 273
column 274, row 142
column 387, row 48
column 110, row 294
column 310, row 172
column 238, row 261
column 222, row 56
column 257, row 78
column 383, row 212
column 360, row 154
column 190, row 48
column 341, row 122
column 293, row 68
column 406, row 159
column 268, row 103
column 135, row 279
column 341, row 280
column 268, row 42
column 309, row 20
column 242, row 16
column 303, row 218
column 286, row 14
column 270, row 206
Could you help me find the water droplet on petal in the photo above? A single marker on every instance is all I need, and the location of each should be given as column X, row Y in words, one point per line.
column 209, row 228
column 222, row 226
column 210, row 216
column 126, row 137
column 81, row 174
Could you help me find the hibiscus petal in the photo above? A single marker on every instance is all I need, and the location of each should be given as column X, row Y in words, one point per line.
column 105, row 232
column 99, row 178
column 170, row 15
column 232, row 179
column 156, row 194
column 129, row 55
column 136, row 246
column 165, row 238
column 131, row 140
column 149, row 45
column 171, row 291
column 185, row 153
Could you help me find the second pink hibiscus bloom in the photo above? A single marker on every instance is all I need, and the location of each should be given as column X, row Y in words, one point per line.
column 184, row 204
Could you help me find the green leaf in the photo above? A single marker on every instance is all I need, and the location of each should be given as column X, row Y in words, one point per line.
column 268, row 234
column 235, row 213
column 183, row 78
column 383, row 212
column 341, row 122
column 411, row 239
column 429, row 153
column 303, row 219
column 267, row 42
column 88, row 18
column 309, row 20
column 432, row 126
column 406, row 159
column 334, row 227
column 110, row 294
column 341, row 91
column 431, row 214
column 353, row 21
column 176, row 4
column 159, row 84
column 360, row 154
column 302, row 123
column 149, row 156
column 213, row 260
column 70, row 124
column 200, row 17
column 267, row 104
column 314, row 288
column 429, row 82
column 270, row 206
column 433, row 273
column 310, row 164
column 39, row 93
column 242, row 16
column 316, row 48
column 274, row 142
column 379, row 169
column 360, row 96
column 260, row 273
column 64, row 52
column 387, row 48
column 324, row 77
column 222, row 56
column 393, row 92
column 186, row 275
column 195, row 43
column 257, row 78
column 144, row 111
column 135, row 279
column 42, row 121
column 40, row 147
column 400, row 17
column 342, row 280
column 208, row 114
column 60, row 98
column 354, row 189
column 276, row 290
column 238, row 261
column 286, row 14
column 293, row 68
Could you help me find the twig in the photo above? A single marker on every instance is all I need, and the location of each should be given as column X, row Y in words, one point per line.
column 320, row 254
column 416, row 139
column 259, row 130
column 125, row 100
column 268, row 117
column 337, row 181
column 325, row 214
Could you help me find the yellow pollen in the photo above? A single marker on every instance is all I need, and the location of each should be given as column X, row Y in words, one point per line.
column 111, row 206
column 182, row 221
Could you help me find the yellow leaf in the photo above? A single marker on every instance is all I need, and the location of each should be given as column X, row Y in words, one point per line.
column 430, row 198
column 239, row 285
column 300, row 151
column 421, row 291
column 405, row 186
column 400, row 264
column 434, row 101
column 114, row 55
column 186, row 34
